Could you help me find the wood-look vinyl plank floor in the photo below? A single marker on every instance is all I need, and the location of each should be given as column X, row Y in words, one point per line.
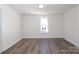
column 42, row 46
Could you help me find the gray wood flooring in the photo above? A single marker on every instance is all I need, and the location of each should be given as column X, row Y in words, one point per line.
column 42, row 46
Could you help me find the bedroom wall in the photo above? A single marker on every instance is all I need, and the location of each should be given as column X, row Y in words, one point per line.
column 0, row 29
column 71, row 25
column 31, row 26
column 11, row 27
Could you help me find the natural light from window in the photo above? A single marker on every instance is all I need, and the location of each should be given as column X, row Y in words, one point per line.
column 44, row 25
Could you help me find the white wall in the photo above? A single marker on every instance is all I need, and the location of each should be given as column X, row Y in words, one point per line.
column 71, row 25
column 31, row 26
column 11, row 27
column 0, row 28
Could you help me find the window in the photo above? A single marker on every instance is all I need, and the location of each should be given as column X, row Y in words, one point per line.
column 44, row 25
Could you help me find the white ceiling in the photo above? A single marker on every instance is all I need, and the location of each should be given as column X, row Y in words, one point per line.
column 48, row 8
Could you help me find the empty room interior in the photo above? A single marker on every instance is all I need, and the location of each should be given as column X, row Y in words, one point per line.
column 39, row 28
